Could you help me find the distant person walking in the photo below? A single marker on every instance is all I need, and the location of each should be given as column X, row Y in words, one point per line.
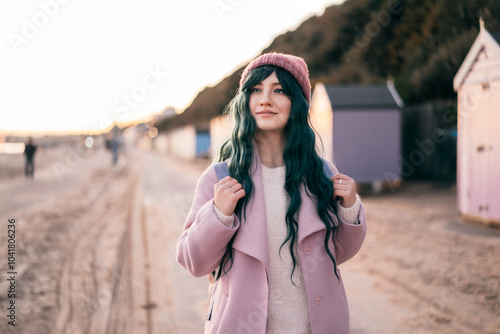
column 272, row 234
column 29, row 152
column 114, row 149
column 113, row 143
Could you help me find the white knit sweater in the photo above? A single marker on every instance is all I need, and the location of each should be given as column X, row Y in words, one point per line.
column 287, row 309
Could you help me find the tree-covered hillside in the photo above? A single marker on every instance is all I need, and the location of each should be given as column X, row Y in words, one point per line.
column 420, row 43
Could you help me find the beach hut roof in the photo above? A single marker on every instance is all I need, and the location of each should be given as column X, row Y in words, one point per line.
column 485, row 38
column 363, row 96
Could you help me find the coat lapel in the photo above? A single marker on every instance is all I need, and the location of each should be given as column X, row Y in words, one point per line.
column 308, row 218
column 251, row 237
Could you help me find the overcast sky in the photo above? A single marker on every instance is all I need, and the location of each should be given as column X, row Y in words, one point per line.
column 71, row 65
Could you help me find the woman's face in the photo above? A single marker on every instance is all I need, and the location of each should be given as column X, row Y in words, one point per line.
column 269, row 105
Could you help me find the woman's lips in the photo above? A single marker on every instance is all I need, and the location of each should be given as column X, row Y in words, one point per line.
column 266, row 113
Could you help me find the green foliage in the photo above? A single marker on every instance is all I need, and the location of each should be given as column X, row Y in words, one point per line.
column 421, row 43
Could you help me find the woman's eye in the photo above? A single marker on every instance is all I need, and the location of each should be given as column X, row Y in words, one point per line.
column 279, row 91
column 254, row 90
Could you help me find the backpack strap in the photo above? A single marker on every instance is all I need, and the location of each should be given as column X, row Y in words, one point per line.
column 221, row 169
column 327, row 169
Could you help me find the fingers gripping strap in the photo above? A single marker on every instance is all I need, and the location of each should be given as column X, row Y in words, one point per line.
column 221, row 169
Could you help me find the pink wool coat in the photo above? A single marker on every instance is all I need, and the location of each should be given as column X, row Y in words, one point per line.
column 239, row 300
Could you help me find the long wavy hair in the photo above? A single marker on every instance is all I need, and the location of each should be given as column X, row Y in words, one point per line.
column 302, row 163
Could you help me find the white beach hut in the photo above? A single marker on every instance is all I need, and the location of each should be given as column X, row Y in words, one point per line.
column 220, row 131
column 477, row 83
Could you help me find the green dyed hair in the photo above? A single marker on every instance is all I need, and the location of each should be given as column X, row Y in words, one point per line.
column 302, row 163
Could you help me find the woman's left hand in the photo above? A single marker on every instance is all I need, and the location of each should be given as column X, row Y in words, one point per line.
column 345, row 188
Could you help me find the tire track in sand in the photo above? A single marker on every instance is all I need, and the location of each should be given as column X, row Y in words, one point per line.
column 94, row 290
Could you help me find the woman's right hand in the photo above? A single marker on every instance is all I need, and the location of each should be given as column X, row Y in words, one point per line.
column 227, row 194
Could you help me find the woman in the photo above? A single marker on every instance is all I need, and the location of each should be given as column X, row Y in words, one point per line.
column 274, row 232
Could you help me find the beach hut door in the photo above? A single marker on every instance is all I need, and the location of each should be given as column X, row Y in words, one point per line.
column 493, row 152
column 478, row 148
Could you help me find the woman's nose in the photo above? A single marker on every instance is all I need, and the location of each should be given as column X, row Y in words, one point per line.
column 266, row 98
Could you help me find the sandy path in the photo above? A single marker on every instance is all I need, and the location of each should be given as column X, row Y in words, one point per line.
column 179, row 298
column 97, row 248
column 423, row 270
column 60, row 227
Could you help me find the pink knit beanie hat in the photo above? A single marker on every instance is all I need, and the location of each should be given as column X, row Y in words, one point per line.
column 296, row 66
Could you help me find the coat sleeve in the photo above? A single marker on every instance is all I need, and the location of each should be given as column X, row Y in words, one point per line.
column 349, row 237
column 204, row 238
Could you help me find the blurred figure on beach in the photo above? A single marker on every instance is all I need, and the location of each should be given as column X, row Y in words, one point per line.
column 29, row 151
column 113, row 143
